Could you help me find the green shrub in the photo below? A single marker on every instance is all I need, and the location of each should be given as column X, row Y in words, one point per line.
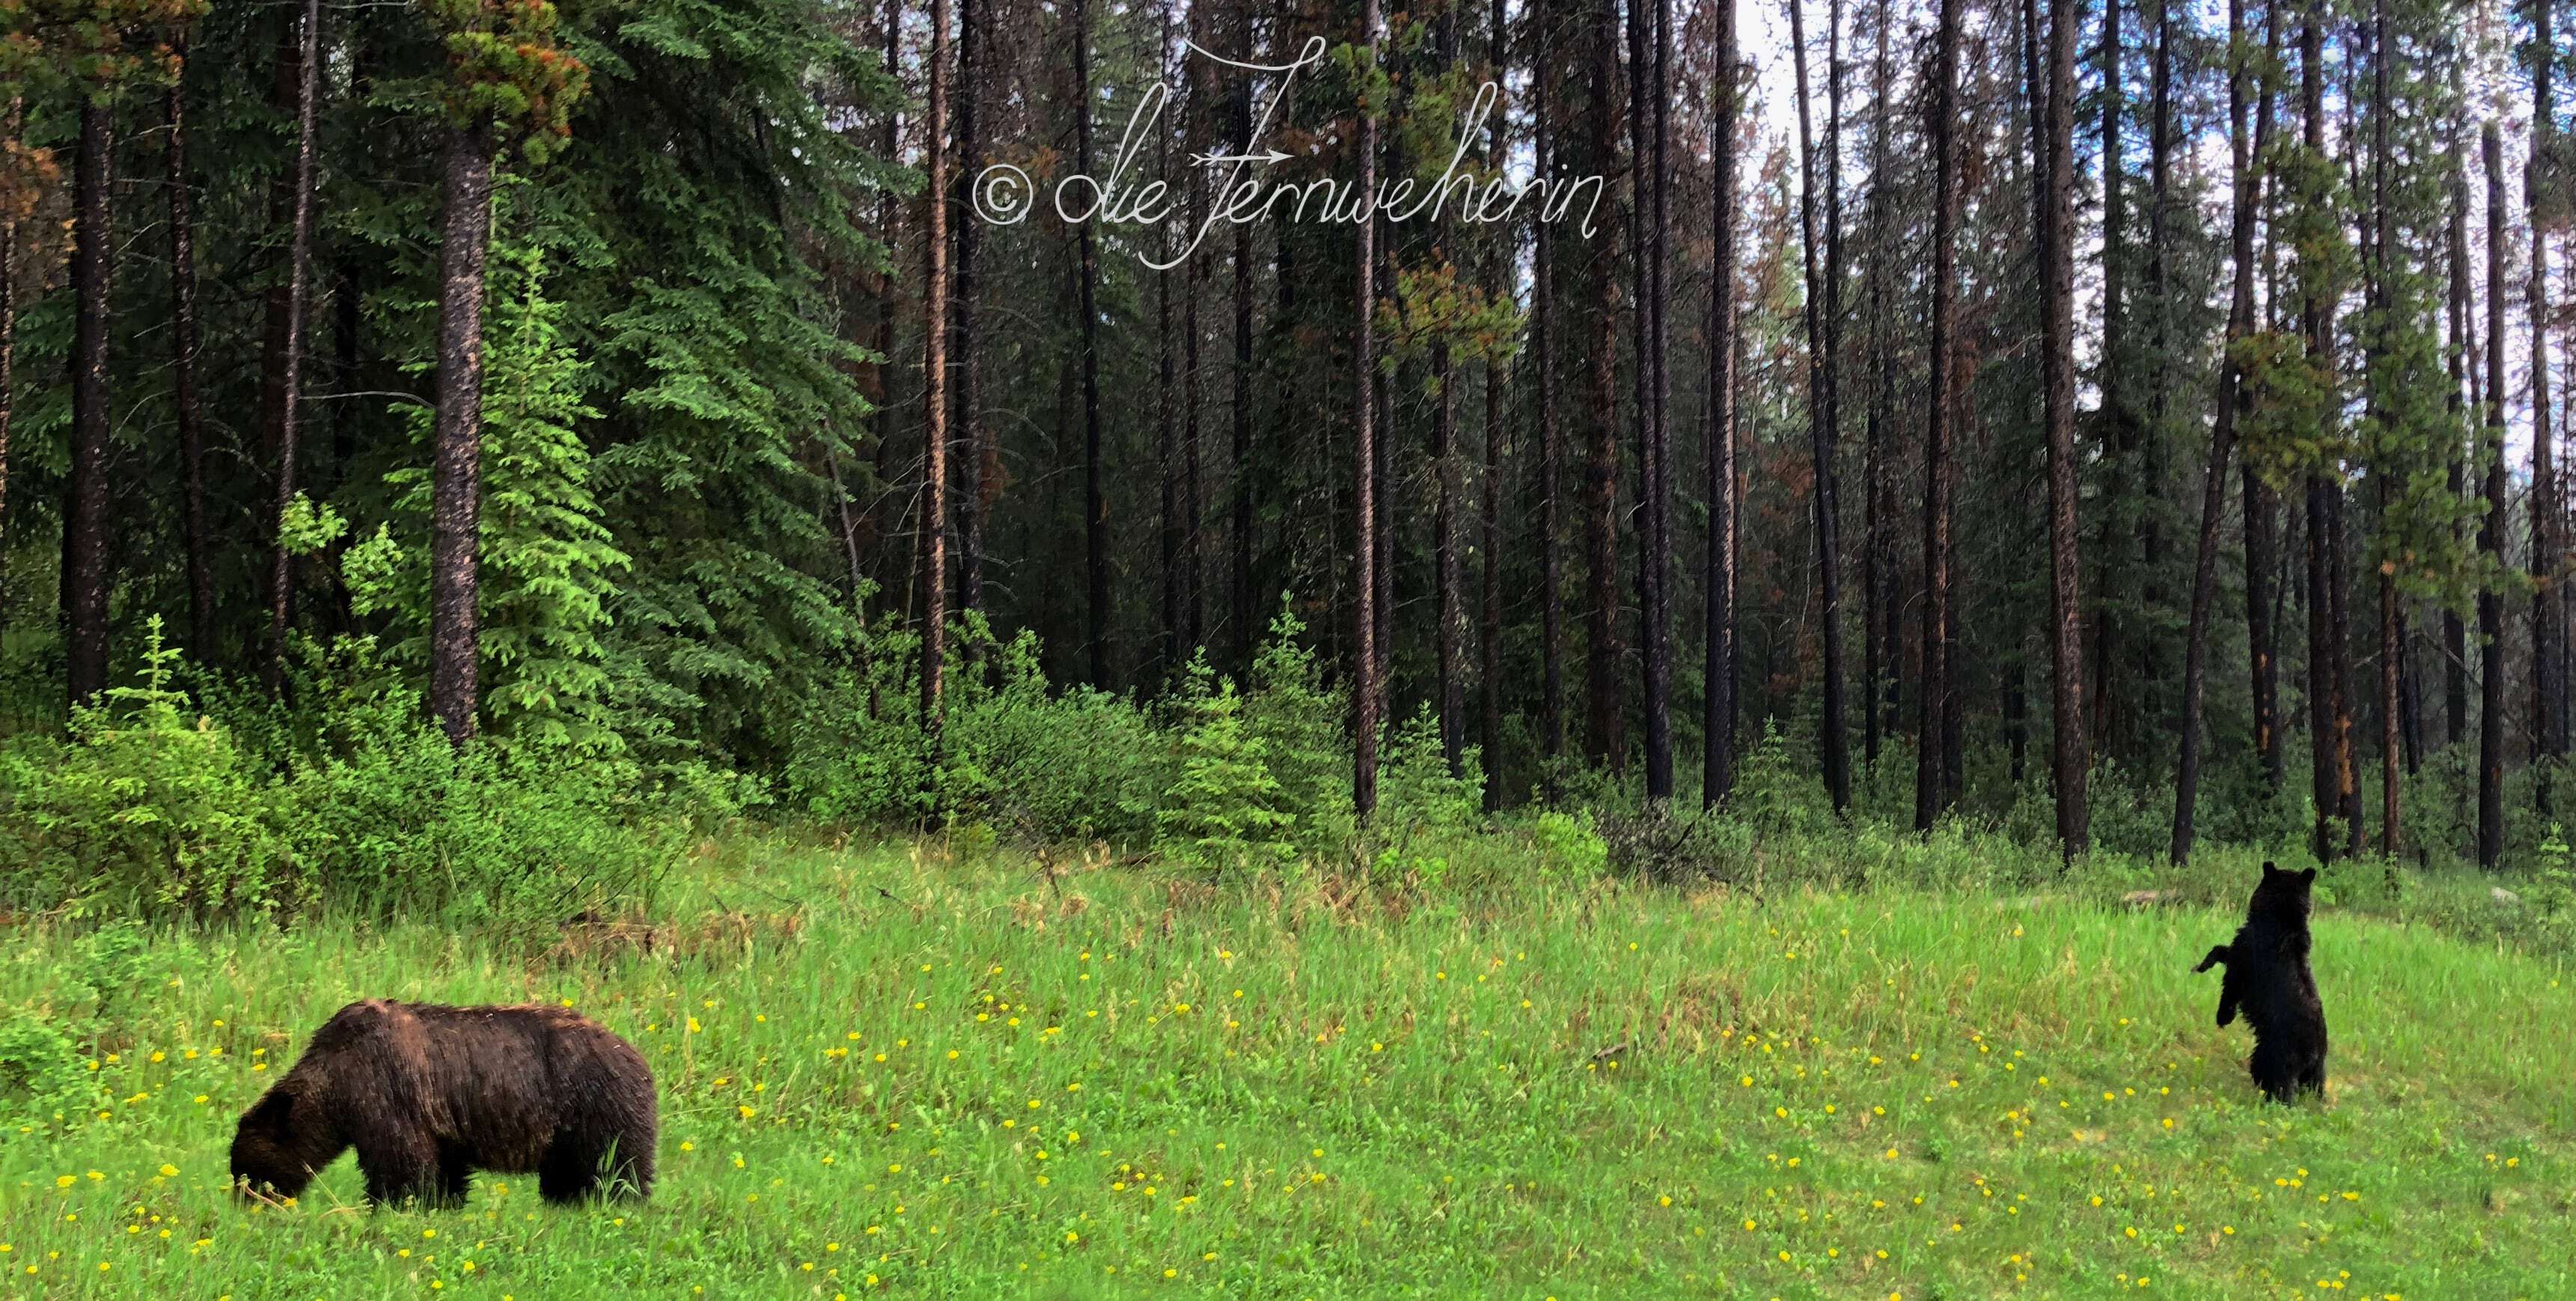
column 1224, row 809
column 145, row 808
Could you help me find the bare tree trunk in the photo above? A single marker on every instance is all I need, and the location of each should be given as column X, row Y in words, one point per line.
column 1932, row 784
column 962, row 370
column 2491, row 530
column 1167, row 440
column 1543, row 75
column 1364, row 684
column 1654, row 561
column 456, row 470
column 1879, row 631
column 1717, row 779
column 2390, row 749
column 85, row 512
column 1606, row 738
column 290, row 420
column 2455, row 639
column 1489, row 641
column 183, row 361
column 1241, row 610
column 2246, row 184
column 2262, row 553
column 2068, row 761
column 934, row 359
column 2549, row 723
column 1095, row 501
column 1820, row 420
column 1448, row 598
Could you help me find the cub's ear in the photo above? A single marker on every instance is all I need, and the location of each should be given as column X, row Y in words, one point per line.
column 2308, row 877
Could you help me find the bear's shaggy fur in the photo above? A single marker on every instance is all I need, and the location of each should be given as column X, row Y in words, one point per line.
column 428, row 1094
column 2268, row 977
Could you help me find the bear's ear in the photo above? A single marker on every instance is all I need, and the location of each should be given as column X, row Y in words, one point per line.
column 2308, row 877
column 2270, row 871
column 272, row 1113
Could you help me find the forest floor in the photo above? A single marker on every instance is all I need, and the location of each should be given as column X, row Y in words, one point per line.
column 882, row 1070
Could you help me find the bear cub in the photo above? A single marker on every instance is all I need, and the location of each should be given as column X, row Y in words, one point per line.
column 2268, row 977
column 428, row 1094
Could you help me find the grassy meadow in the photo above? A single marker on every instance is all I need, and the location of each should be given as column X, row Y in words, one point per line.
column 885, row 1070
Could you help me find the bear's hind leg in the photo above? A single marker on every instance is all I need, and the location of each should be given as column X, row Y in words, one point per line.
column 2274, row 1071
column 455, row 1179
column 570, row 1170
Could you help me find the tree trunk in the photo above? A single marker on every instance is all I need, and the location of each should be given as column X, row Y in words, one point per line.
column 1606, row 738
column 2491, row 530
column 2385, row 242
column 183, row 365
column 1364, row 682
column 934, row 360
column 1489, row 640
column 1241, row 610
column 290, row 418
column 1542, row 348
column 1717, row 777
column 85, row 521
column 2455, row 638
column 2233, row 401
column 2329, row 718
column 456, row 468
column 2068, row 762
column 962, row 370
column 1095, row 508
column 1654, row 561
column 1932, row 784
column 1448, row 598
column 1820, row 423
column 2548, row 716
column 1167, row 441
column 1879, row 631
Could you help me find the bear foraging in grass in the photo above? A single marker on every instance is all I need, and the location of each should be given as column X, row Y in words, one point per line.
column 428, row 1094
column 2267, row 976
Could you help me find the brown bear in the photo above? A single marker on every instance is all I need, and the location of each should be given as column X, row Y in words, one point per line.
column 429, row 1093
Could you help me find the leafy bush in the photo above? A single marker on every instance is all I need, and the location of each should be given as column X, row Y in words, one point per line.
column 144, row 808
column 1225, row 809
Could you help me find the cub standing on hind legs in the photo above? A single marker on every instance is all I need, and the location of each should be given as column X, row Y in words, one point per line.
column 2267, row 976
column 429, row 1094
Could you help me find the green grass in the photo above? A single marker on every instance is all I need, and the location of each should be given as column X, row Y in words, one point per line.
column 912, row 1076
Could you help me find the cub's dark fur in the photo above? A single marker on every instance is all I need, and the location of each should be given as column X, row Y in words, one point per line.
column 2268, row 977
column 428, row 1094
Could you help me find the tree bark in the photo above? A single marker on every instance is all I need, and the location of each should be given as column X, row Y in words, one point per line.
column 2491, row 529
column 2548, row 716
column 933, row 580
column 290, row 416
column 1606, row 733
column 2455, row 639
column 2068, row 761
column 1932, row 783
column 1831, row 738
column 1095, row 509
column 1717, row 778
column 2385, row 244
column 1364, row 680
column 963, row 373
column 183, row 365
column 1543, row 75
column 85, row 512
column 456, row 468
column 1489, row 640
column 1648, row 99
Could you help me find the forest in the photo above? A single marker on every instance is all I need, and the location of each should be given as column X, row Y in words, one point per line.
column 2122, row 424
column 1287, row 648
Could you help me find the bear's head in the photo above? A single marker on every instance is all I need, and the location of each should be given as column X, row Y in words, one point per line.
column 2283, row 895
column 282, row 1142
